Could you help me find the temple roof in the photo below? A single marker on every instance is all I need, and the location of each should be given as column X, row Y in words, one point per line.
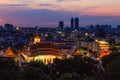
column 45, row 48
column 77, row 52
column 11, row 52
column 43, row 45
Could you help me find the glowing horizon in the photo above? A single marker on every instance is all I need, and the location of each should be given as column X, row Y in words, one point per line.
column 78, row 8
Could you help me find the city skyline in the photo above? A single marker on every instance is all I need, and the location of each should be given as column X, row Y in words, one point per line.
column 49, row 13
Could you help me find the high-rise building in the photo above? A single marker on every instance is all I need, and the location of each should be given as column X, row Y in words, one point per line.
column 72, row 23
column 61, row 25
column 76, row 23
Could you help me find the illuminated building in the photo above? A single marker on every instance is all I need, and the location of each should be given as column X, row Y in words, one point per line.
column 42, row 51
column 10, row 53
column 37, row 38
column 103, row 48
column 75, row 51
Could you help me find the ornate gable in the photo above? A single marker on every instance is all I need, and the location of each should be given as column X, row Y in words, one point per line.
column 9, row 53
column 77, row 51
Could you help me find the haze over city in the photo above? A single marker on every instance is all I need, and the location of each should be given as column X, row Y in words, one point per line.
column 47, row 13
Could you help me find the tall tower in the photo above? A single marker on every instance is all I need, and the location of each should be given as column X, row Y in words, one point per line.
column 36, row 38
column 76, row 23
column 61, row 25
column 72, row 23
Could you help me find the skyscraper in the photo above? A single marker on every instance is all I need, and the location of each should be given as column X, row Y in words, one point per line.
column 61, row 25
column 72, row 23
column 76, row 23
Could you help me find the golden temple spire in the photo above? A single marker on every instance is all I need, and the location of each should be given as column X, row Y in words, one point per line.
column 37, row 38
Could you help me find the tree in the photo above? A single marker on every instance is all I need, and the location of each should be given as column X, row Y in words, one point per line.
column 35, row 70
column 83, row 66
column 111, row 64
column 112, row 42
column 107, row 59
column 113, row 70
column 114, row 49
column 70, row 76
column 9, row 69
column 90, row 78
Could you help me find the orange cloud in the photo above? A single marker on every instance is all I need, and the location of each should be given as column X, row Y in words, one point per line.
column 87, row 7
column 1, row 21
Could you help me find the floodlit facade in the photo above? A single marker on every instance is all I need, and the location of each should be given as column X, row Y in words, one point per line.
column 103, row 48
column 42, row 51
column 37, row 38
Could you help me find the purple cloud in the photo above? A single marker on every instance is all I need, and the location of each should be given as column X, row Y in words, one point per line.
column 16, row 5
column 43, row 4
column 46, row 18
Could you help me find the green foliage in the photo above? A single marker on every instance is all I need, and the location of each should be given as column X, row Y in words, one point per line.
column 9, row 69
column 84, row 66
column 40, row 65
column 113, row 70
column 114, row 49
column 90, row 78
column 112, row 42
column 75, row 68
column 107, row 59
column 35, row 71
column 111, row 64
column 66, row 76
column 69, row 76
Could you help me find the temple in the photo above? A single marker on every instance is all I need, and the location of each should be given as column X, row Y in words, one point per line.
column 11, row 53
column 43, row 51
column 37, row 38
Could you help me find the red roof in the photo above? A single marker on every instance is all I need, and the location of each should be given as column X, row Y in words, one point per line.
column 44, row 49
column 44, row 45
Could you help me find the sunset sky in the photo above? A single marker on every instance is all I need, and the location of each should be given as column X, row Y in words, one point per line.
column 47, row 13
